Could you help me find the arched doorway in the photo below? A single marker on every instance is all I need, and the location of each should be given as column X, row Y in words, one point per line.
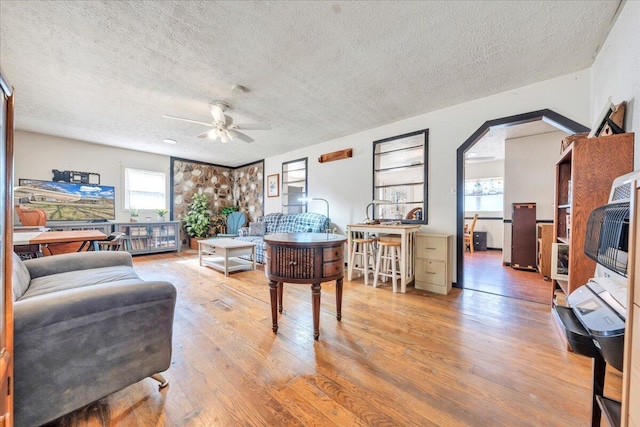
column 557, row 120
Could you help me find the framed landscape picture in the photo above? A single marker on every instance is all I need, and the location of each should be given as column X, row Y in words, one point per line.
column 273, row 185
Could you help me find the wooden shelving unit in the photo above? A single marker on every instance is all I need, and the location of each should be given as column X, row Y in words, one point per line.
column 150, row 237
column 543, row 246
column 584, row 174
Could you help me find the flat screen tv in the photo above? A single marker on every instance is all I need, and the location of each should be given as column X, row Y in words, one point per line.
column 67, row 201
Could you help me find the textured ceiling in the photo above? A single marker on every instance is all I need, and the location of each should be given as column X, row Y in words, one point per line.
column 106, row 72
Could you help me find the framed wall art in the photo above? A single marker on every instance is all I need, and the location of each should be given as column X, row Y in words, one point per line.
column 273, row 185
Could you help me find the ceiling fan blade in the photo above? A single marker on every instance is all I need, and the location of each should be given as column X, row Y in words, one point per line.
column 217, row 113
column 252, row 126
column 186, row 120
column 207, row 134
column 241, row 136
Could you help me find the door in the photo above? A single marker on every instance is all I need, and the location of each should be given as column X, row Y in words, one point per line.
column 6, row 250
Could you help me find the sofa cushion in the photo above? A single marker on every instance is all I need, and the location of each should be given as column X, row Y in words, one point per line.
column 20, row 278
column 287, row 224
column 310, row 222
column 76, row 279
column 271, row 222
column 256, row 229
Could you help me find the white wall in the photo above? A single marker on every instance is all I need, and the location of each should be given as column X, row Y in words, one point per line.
column 616, row 71
column 36, row 155
column 493, row 227
column 530, row 177
column 346, row 184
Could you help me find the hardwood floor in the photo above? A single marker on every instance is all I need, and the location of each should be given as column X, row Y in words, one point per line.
column 483, row 271
column 414, row 359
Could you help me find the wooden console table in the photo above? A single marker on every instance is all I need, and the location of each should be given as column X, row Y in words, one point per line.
column 304, row 258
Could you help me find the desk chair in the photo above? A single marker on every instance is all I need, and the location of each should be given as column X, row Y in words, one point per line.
column 468, row 235
column 235, row 220
column 113, row 242
column 31, row 217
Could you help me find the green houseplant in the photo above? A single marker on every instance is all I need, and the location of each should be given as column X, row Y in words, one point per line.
column 161, row 213
column 197, row 219
column 227, row 210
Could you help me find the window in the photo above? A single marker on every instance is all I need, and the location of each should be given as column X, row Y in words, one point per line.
column 400, row 177
column 294, row 186
column 484, row 194
column 144, row 189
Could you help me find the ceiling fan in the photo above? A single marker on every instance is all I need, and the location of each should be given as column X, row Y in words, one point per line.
column 223, row 127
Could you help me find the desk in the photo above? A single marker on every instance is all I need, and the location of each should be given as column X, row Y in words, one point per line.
column 304, row 258
column 407, row 244
column 86, row 237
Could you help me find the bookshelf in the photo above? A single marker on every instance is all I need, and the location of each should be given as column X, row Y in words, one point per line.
column 584, row 174
column 150, row 237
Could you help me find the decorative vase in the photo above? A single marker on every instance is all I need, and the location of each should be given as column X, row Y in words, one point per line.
column 160, row 218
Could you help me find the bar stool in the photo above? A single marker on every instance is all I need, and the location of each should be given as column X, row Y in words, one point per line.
column 387, row 261
column 364, row 248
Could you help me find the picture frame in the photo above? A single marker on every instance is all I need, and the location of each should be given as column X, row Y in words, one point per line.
column 273, row 185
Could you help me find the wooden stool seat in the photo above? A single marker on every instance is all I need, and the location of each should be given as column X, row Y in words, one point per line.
column 387, row 262
column 365, row 249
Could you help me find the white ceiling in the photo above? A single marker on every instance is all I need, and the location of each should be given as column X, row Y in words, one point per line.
column 107, row 71
column 491, row 146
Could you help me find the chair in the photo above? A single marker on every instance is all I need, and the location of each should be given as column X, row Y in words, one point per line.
column 31, row 217
column 363, row 248
column 388, row 262
column 235, row 220
column 415, row 213
column 112, row 243
column 468, row 235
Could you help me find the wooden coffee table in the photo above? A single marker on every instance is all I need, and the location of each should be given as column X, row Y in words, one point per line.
column 222, row 254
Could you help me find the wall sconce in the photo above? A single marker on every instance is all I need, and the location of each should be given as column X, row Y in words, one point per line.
column 310, row 199
column 374, row 202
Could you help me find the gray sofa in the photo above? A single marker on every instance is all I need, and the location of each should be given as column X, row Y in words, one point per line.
column 85, row 326
column 273, row 223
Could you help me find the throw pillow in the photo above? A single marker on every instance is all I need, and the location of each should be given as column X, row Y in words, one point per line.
column 256, row 229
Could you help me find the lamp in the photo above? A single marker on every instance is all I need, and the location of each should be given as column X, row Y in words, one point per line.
column 374, row 202
column 310, row 199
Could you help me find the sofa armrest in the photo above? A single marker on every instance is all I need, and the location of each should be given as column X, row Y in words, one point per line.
column 76, row 261
column 76, row 346
column 243, row 231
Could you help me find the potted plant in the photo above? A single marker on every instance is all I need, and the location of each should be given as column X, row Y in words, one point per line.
column 197, row 219
column 227, row 210
column 133, row 215
column 161, row 213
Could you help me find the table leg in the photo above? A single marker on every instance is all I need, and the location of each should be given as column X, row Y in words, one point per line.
column 253, row 257
column 315, row 301
column 280, row 292
column 226, row 262
column 273, row 293
column 339, row 299
column 349, row 261
column 200, row 253
column 403, row 263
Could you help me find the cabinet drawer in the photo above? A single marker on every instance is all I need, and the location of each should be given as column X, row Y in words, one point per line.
column 329, row 254
column 431, row 271
column 431, row 247
column 332, row 268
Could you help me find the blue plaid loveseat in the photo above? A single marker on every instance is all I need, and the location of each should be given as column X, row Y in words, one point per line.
column 306, row 222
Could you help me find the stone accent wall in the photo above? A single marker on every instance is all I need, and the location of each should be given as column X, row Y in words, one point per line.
column 248, row 190
column 224, row 186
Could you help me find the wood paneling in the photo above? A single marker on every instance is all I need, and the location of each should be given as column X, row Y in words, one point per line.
column 414, row 359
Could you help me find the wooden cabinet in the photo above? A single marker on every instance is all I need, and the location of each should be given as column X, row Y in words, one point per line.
column 584, row 174
column 631, row 371
column 523, row 236
column 104, row 227
column 433, row 262
column 150, row 237
column 544, row 240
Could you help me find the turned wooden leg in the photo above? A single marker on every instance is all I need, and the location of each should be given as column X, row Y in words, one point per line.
column 339, row 299
column 273, row 293
column 280, row 292
column 163, row 382
column 315, row 300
